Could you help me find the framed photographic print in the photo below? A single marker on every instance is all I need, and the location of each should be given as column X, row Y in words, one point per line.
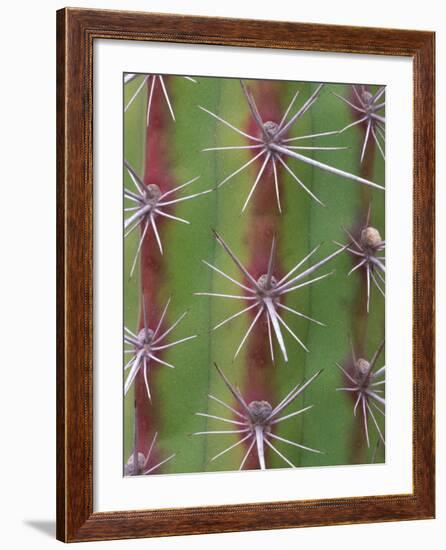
column 245, row 275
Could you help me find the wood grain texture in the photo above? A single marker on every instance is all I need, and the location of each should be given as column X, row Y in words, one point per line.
column 76, row 31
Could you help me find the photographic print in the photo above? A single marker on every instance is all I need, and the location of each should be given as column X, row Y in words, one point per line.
column 254, row 274
column 222, row 302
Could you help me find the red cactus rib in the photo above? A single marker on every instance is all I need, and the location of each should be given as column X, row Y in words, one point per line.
column 263, row 226
column 360, row 316
column 152, row 266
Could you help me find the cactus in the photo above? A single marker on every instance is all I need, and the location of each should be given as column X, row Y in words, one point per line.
column 271, row 267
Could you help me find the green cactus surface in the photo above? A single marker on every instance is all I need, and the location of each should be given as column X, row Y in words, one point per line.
column 169, row 152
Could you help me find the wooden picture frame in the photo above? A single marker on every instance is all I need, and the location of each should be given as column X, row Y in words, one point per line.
column 77, row 29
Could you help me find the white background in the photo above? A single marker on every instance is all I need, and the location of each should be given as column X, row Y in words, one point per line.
column 27, row 300
column 111, row 490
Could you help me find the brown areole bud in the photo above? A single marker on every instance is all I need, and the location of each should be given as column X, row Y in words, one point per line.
column 370, row 237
